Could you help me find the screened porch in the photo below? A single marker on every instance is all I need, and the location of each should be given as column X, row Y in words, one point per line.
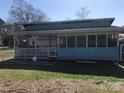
column 44, row 46
column 38, row 46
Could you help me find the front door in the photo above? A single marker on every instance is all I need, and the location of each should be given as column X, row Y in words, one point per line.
column 122, row 52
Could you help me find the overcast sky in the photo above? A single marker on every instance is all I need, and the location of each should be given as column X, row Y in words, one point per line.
column 65, row 9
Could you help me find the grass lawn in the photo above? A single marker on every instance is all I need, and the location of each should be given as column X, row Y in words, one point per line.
column 30, row 74
column 66, row 77
column 49, row 79
column 8, row 50
column 63, row 70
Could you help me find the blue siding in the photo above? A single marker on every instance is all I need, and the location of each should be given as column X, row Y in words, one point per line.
column 89, row 53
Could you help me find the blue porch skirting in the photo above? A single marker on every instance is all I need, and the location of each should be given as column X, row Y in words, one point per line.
column 109, row 53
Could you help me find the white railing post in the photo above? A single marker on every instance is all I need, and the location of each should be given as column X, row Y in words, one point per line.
column 48, row 52
column 35, row 47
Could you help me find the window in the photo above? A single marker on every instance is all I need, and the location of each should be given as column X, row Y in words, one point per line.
column 101, row 40
column 62, row 41
column 71, row 41
column 112, row 40
column 81, row 41
column 91, row 40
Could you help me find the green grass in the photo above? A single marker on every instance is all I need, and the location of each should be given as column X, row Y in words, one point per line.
column 8, row 50
column 29, row 74
column 6, row 53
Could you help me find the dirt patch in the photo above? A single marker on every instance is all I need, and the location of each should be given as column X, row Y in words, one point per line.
column 60, row 86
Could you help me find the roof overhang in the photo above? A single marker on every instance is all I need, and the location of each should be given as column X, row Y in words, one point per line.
column 84, row 30
column 70, row 24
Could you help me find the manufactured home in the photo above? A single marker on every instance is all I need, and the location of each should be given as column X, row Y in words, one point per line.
column 89, row 39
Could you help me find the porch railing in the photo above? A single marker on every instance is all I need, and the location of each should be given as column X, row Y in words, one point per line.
column 37, row 52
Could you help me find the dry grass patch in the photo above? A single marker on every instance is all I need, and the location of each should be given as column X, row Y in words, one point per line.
column 60, row 86
column 6, row 54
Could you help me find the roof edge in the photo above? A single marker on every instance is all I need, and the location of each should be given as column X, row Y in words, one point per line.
column 69, row 21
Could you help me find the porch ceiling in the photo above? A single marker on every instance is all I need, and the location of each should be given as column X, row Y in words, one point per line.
column 105, row 29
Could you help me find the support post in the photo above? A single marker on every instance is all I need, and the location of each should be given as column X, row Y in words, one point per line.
column 14, row 46
column 118, row 48
column 57, row 41
column 35, row 57
column 86, row 41
column 76, row 41
column 66, row 41
column 14, row 42
column 35, row 47
column 96, row 40
column 106, row 40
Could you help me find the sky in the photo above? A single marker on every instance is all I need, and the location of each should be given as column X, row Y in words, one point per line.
column 58, row 10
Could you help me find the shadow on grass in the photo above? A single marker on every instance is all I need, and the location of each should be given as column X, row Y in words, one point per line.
column 71, row 68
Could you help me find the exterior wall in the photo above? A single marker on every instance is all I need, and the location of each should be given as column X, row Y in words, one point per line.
column 89, row 53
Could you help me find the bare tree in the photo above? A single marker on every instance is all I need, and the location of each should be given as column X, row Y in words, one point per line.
column 22, row 12
column 82, row 13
